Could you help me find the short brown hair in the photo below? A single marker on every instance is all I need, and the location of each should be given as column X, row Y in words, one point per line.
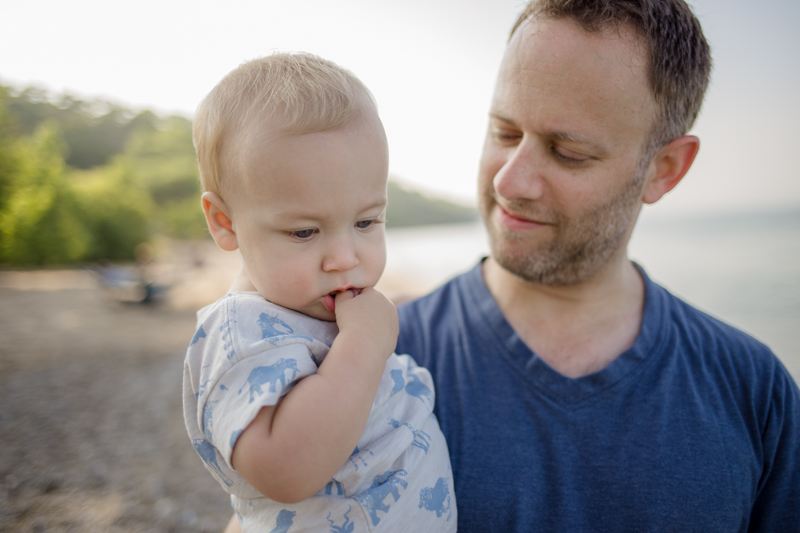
column 679, row 56
column 295, row 92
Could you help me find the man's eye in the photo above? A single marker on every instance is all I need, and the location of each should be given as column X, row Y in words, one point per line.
column 303, row 233
column 364, row 224
column 506, row 136
column 567, row 158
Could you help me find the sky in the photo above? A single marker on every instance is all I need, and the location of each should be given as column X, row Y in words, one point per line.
column 431, row 65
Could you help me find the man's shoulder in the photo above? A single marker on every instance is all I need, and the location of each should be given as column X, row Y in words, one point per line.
column 709, row 341
column 683, row 314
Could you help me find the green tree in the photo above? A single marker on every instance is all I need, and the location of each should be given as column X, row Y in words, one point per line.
column 39, row 220
column 163, row 161
column 93, row 130
column 9, row 158
column 115, row 210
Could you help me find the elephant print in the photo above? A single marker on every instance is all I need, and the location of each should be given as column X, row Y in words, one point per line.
column 271, row 374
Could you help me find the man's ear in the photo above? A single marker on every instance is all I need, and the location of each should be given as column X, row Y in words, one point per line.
column 219, row 221
column 669, row 166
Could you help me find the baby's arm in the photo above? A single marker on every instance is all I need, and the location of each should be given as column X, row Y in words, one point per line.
column 292, row 449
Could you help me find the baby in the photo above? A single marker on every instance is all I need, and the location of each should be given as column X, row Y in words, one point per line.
column 292, row 395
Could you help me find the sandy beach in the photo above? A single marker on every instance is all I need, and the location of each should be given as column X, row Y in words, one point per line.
column 91, row 427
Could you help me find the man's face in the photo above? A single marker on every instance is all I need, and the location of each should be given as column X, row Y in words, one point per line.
column 309, row 218
column 558, row 182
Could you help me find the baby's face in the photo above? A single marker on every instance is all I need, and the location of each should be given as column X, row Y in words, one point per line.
column 310, row 215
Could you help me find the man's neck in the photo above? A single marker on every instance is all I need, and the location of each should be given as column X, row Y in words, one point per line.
column 576, row 329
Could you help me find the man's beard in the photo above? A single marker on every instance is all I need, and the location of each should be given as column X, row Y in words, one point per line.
column 580, row 246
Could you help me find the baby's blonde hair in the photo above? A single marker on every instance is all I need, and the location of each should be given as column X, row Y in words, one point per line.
column 294, row 92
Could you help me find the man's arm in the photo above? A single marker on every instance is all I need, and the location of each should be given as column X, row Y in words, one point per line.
column 292, row 449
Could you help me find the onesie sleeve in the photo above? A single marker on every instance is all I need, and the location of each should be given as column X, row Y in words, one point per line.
column 240, row 393
column 244, row 356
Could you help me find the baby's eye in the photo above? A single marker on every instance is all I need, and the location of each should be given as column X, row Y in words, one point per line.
column 364, row 224
column 303, row 233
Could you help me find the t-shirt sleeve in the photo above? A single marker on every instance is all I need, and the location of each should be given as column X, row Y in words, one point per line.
column 777, row 505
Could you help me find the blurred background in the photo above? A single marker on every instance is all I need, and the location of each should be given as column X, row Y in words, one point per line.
column 104, row 256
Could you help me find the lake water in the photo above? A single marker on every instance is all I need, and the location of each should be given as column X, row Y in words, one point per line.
column 743, row 269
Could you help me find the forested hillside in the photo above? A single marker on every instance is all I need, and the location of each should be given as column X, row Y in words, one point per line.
column 88, row 180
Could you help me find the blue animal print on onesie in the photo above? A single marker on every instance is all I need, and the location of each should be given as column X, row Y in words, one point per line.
column 272, row 326
column 202, row 389
column 383, row 485
column 235, row 437
column 359, row 455
column 225, row 329
column 238, row 514
column 267, row 324
column 199, row 334
column 247, row 352
column 208, row 419
column 436, row 498
column 331, row 484
column 284, row 521
column 208, row 454
column 397, row 377
column 418, row 389
column 421, row 439
column 346, row 527
column 271, row 374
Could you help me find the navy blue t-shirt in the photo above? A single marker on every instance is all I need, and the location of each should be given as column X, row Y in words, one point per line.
column 694, row 428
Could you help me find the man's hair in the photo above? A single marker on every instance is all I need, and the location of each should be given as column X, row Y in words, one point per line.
column 679, row 63
column 292, row 92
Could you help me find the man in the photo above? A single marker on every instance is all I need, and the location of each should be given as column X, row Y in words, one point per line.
column 576, row 394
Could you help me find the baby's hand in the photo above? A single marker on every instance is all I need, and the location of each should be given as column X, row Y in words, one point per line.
column 371, row 315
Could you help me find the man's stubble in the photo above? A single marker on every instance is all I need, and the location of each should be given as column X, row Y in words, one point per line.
column 577, row 248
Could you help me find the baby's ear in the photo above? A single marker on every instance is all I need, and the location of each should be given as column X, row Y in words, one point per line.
column 219, row 221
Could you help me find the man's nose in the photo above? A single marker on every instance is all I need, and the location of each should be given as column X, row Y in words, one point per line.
column 520, row 176
column 340, row 256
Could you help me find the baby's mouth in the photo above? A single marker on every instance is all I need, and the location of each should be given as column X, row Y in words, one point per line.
column 329, row 300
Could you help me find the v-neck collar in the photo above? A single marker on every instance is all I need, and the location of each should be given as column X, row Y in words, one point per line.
column 568, row 391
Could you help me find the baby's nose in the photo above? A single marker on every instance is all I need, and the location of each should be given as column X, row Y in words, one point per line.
column 340, row 258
